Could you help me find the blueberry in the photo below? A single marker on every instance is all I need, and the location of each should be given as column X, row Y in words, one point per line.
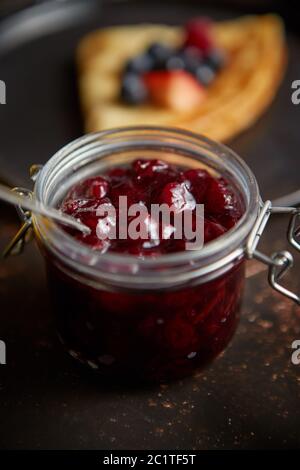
column 139, row 64
column 175, row 62
column 191, row 52
column 133, row 89
column 192, row 58
column 216, row 59
column 205, row 74
column 160, row 54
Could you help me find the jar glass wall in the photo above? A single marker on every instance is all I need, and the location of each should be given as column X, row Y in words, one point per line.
column 149, row 319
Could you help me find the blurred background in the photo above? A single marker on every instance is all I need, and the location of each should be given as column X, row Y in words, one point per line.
column 38, row 40
column 288, row 9
column 248, row 399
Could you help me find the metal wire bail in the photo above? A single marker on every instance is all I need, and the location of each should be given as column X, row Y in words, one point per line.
column 24, row 234
column 279, row 262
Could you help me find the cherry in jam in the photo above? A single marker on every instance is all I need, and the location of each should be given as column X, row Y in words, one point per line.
column 151, row 335
column 149, row 182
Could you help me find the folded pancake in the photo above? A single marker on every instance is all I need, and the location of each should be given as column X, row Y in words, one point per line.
column 242, row 90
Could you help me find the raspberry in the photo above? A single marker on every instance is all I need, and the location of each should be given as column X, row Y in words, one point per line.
column 199, row 34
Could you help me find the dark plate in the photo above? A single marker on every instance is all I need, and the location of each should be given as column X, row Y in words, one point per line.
column 42, row 113
column 249, row 398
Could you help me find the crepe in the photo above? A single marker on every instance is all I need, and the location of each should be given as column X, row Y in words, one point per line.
column 242, row 90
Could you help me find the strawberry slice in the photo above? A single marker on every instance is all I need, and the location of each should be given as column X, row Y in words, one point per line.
column 176, row 89
column 199, row 35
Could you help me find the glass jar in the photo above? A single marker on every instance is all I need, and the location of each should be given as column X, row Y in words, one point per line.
column 149, row 319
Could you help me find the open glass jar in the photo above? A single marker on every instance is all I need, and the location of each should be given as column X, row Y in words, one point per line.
column 158, row 318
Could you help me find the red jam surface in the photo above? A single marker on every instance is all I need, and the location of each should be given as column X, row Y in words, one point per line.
column 153, row 182
column 149, row 335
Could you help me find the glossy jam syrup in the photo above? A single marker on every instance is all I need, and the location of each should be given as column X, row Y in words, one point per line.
column 149, row 182
column 149, row 335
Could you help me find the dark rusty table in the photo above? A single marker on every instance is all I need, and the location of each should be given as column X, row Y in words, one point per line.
column 247, row 399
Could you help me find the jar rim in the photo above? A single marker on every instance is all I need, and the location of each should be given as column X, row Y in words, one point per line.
column 232, row 242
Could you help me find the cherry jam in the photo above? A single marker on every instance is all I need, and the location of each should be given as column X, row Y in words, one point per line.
column 154, row 335
column 149, row 336
column 148, row 182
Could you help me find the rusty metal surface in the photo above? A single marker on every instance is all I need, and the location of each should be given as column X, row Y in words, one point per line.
column 247, row 399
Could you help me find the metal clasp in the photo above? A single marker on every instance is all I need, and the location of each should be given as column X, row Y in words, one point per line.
column 279, row 262
column 24, row 234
